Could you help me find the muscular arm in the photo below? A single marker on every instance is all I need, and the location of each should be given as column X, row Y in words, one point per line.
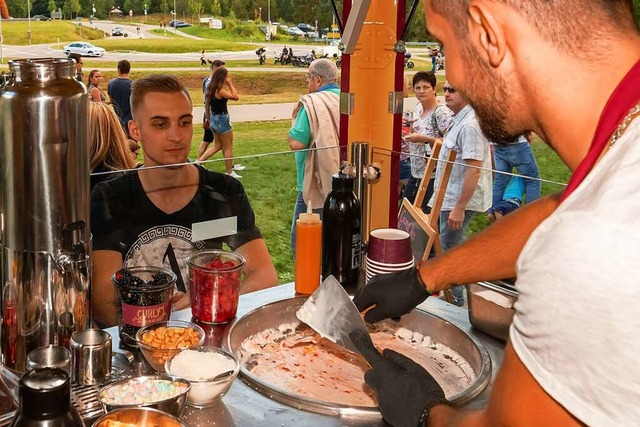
column 295, row 145
column 491, row 254
column 103, row 295
column 516, row 400
column 259, row 270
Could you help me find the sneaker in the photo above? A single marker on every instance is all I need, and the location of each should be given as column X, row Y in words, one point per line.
column 234, row 175
column 239, row 167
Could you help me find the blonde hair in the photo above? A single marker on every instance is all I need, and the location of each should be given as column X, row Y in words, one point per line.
column 108, row 142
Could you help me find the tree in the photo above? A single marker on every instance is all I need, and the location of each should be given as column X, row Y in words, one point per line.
column 194, row 7
column 285, row 10
column 164, row 6
column 70, row 7
column 16, row 8
column 51, row 6
column 636, row 11
column 216, row 8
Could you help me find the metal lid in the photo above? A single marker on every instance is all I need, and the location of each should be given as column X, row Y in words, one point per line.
column 42, row 68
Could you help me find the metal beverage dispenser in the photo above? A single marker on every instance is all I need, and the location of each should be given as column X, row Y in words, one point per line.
column 45, row 245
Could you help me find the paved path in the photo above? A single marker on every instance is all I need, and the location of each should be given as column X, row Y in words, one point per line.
column 266, row 112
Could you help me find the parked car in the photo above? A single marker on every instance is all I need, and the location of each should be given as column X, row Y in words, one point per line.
column 117, row 31
column 178, row 24
column 83, row 48
column 40, row 18
column 294, row 31
column 308, row 30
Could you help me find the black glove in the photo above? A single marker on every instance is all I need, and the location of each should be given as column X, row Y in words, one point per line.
column 392, row 294
column 406, row 391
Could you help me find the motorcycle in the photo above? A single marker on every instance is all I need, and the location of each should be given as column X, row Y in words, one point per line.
column 262, row 55
column 407, row 60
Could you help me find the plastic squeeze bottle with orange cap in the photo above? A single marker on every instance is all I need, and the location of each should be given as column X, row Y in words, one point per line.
column 308, row 252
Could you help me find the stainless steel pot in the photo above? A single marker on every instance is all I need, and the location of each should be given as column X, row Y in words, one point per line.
column 44, row 207
column 491, row 307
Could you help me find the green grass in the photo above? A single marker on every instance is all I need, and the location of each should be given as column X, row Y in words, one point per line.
column 15, row 32
column 270, row 183
column 173, row 45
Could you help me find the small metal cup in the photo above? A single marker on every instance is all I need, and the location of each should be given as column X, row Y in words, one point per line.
column 90, row 356
column 50, row 356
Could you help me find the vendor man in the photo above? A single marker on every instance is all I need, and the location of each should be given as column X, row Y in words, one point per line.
column 168, row 209
column 572, row 356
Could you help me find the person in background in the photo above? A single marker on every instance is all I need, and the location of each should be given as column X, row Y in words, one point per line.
column 315, row 123
column 430, row 121
column 470, row 184
column 219, row 91
column 146, row 216
column 203, row 59
column 79, row 64
column 119, row 90
column 93, row 87
column 512, row 198
column 434, row 60
column 516, row 153
column 575, row 253
column 207, row 137
column 405, row 158
column 108, row 144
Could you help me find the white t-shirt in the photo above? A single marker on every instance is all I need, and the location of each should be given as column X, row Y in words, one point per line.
column 578, row 314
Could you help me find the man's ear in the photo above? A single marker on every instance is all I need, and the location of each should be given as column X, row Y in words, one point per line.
column 134, row 130
column 487, row 33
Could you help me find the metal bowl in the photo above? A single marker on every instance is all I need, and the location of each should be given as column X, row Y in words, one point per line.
column 173, row 405
column 138, row 417
column 284, row 311
column 491, row 307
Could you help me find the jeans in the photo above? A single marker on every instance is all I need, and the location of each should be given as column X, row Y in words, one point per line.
column 450, row 238
column 300, row 207
column 519, row 156
column 411, row 190
column 220, row 123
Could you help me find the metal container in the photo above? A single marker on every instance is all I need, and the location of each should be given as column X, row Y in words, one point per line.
column 90, row 356
column 491, row 307
column 44, row 207
column 51, row 356
column 284, row 311
column 173, row 406
column 139, row 417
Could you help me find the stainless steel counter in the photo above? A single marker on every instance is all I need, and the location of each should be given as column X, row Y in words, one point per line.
column 243, row 406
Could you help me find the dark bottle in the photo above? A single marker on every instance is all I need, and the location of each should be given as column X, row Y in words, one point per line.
column 45, row 400
column 341, row 233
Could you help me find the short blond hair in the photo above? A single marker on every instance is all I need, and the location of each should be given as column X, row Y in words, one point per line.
column 108, row 144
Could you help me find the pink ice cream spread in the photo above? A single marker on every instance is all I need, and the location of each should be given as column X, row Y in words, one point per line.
column 293, row 358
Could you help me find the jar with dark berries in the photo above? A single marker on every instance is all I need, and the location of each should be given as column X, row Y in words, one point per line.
column 143, row 297
column 214, row 285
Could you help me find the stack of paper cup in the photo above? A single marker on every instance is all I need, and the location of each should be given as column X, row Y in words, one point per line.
column 389, row 252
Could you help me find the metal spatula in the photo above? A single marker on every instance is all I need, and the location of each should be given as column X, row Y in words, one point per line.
column 331, row 313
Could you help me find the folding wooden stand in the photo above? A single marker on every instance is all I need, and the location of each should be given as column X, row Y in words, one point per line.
column 429, row 222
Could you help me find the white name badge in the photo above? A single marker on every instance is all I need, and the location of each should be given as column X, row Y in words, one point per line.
column 215, row 228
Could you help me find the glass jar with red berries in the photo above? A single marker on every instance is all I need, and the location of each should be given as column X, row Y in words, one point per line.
column 214, row 285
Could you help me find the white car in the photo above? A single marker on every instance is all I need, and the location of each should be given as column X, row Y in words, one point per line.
column 83, row 48
column 294, row 31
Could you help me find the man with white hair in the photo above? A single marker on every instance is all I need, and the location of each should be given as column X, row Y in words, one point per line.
column 315, row 124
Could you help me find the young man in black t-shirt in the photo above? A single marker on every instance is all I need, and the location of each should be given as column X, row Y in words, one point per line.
column 158, row 215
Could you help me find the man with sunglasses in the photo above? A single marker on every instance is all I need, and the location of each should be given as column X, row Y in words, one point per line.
column 470, row 184
column 572, row 354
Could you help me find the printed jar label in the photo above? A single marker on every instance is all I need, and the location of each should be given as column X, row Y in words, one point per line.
column 355, row 251
column 136, row 315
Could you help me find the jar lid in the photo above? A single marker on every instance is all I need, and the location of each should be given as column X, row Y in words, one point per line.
column 342, row 181
column 45, row 393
